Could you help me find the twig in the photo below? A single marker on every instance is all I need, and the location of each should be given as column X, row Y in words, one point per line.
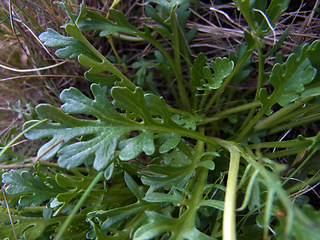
column 31, row 69
column 9, row 214
column 268, row 22
column 16, row 166
column 48, row 149
column 32, row 76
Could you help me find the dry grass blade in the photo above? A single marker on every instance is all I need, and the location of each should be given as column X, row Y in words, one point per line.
column 9, row 213
column 32, row 70
column 47, row 150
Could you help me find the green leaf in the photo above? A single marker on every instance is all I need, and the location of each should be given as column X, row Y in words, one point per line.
column 33, row 190
column 100, row 147
column 168, row 5
column 158, row 105
column 157, row 176
column 245, row 69
column 134, row 146
column 109, row 171
column 104, row 80
column 99, row 138
column 78, row 46
column 245, row 7
column 312, row 92
column 29, row 227
column 132, row 101
column 118, row 214
column 197, row 69
column 106, row 27
column 155, row 16
column 176, row 158
column 170, row 143
column 289, row 80
column 276, row 8
column 213, row 203
column 174, row 198
column 70, row 47
column 75, row 185
column 222, row 67
column 188, row 120
column 34, row 228
column 307, row 228
column 134, row 187
column 105, row 131
column 207, row 164
column 159, row 224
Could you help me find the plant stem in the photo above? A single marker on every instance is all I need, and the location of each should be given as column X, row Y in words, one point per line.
column 300, row 166
column 272, row 182
column 250, row 124
column 299, row 122
column 177, row 63
column 278, row 116
column 78, row 205
column 267, row 212
column 9, row 214
column 204, row 99
column 283, row 144
column 259, row 86
column 283, row 153
column 227, row 112
column 229, row 214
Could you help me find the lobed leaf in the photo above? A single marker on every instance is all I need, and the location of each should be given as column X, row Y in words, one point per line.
column 201, row 75
column 222, row 67
column 134, row 146
column 289, row 81
column 117, row 214
column 99, row 138
column 160, row 224
column 33, row 228
column 276, row 8
column 158, row 176
column 70, row 47
column 27, row 227
column 197, row 69
column 33, row 190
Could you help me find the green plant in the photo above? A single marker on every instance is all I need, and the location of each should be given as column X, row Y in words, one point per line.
column 165, row 167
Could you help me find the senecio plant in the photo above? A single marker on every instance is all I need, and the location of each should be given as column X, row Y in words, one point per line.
column 200, row 162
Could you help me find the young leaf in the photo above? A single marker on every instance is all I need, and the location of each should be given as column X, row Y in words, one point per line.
column 276, row 8
column 222, row 67
column 197, row 70
column 188, row 120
